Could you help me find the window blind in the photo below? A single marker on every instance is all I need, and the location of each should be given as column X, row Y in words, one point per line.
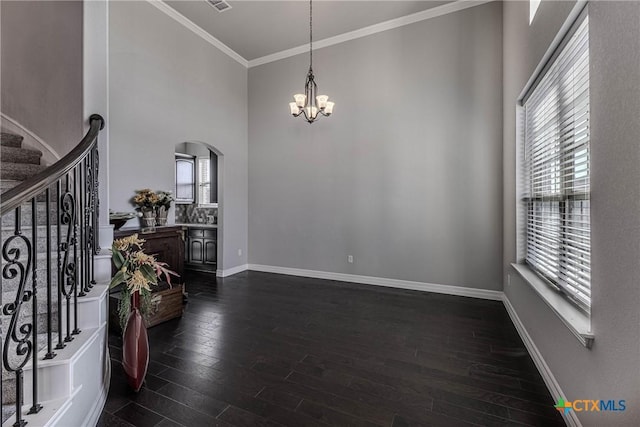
column 204, row 173
column 556, row 171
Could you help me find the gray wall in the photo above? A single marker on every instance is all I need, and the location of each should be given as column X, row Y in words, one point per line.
column 168, row 86
column 610, row 370
column 41, row 57
column 193, row 149
column 406, row 176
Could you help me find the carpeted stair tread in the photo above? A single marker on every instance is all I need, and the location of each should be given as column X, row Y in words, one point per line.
column 6, row 184
column 8, row 220
column 10, row 140
column 8, row 411
column 20, row 155
column 41, row 241
column 19, row 171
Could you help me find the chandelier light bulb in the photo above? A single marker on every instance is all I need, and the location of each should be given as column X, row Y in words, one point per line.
column 294, row 108
column 321, row 100
column 311, row 112
column 329, row 108
column 301, row 99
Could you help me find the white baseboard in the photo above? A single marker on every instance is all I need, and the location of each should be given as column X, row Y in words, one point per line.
column 31, row 140
column 233, row 270
column 380, row 281
column 549, row 379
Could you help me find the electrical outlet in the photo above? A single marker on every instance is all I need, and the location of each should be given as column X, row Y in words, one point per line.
column 350, row 259
column 239, row 252
column 508, row 279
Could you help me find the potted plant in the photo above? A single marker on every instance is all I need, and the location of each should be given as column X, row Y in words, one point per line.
column 164, row 203
column 136, row 272
column 146, row 201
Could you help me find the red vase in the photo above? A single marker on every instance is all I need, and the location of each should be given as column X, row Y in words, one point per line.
column 135, row 345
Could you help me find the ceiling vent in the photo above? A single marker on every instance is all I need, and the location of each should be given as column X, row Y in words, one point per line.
column 220, row 5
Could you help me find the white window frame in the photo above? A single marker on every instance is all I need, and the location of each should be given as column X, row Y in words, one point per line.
column 533, row 8
column 201, row 199
column 574, row 316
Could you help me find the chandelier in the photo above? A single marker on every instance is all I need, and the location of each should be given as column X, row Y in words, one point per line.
column 310, row 104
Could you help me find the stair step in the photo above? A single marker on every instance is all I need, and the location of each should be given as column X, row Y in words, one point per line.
column 20, row 155
column 61, row 363
column 10, row 140
column 51, row 410
column 11, row 285
column 6, row 184
column 9, row 378
column 19, row 171
column 26, row 316
column 41, row 238
column 8, row 220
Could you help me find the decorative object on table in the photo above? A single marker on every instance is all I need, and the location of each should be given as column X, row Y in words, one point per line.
column 162, row 208
column 118, row 219
column 148, row 221
column 136, row 272
column 310, row 103
column 146, row 201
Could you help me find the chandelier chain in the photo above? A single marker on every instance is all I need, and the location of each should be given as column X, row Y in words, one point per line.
column 310, row 34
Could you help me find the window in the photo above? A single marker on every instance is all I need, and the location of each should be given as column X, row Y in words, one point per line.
column 556, row 170
column 533, row 8
column 204, row 180
column 185, row 179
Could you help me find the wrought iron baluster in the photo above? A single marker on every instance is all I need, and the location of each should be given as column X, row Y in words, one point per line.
column 82, row 267
column 76, row 331
column 67, row 217
column 18, row 269
column 88, row 247
column 60, row 344
column 96, row 210
column 35, row 407
column 50, row 353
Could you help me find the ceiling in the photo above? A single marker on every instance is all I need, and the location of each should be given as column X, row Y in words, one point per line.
column 254, row 29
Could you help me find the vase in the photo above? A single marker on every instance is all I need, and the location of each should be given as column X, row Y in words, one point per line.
column 135, row 346
column 148, row 220
column 161, row 215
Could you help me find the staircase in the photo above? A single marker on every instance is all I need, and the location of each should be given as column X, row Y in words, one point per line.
column 53, row 337
column 16, row 165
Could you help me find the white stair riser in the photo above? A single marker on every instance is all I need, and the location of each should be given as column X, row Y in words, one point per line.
column 91, row 314
column 56, row 381
column 88, row 315
column 54, row 376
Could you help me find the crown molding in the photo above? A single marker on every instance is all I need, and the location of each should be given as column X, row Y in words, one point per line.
column 186, row 22
column 372, row 29
column 341, row 38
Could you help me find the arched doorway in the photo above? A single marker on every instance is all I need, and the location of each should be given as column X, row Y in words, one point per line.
column 200, row 203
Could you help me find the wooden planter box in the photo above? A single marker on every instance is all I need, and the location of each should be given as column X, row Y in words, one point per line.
column 166, row 304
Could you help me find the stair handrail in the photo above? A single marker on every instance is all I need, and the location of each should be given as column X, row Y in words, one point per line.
column 29, row 188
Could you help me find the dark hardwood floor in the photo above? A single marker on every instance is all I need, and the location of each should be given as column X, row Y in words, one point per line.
column 259, row 349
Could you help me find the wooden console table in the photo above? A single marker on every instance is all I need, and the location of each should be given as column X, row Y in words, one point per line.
column 167, row 244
